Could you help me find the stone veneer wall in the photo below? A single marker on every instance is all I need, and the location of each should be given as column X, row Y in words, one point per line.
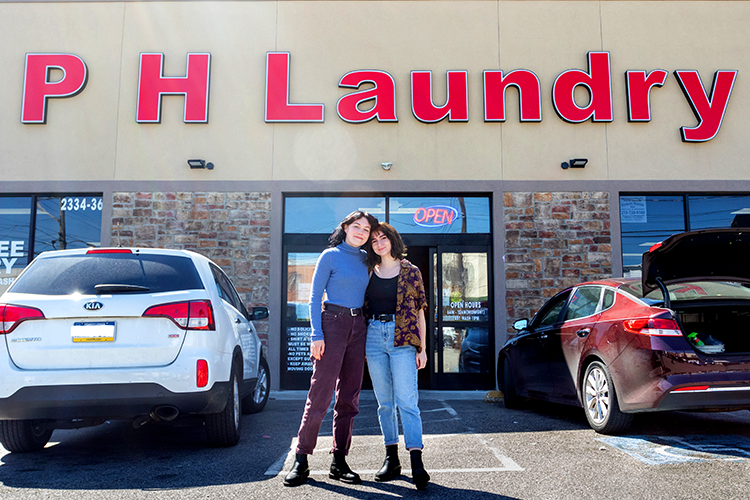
column 232, row 229
column 552, row 241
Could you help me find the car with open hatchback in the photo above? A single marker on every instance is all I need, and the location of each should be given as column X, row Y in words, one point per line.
column 678, row 338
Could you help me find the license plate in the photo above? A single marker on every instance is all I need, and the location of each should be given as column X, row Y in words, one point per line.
column 93, row 331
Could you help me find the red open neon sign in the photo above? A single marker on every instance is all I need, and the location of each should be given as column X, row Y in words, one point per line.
column 435, row 216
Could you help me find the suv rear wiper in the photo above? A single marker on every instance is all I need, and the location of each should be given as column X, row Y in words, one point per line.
column 110, row 288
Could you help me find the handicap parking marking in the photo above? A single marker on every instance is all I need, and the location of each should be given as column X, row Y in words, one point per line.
column 661, row 450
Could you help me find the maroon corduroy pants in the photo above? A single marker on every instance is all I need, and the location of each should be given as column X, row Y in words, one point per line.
column 340, row 369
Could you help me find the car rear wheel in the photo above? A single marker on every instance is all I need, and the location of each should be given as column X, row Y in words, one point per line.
column 600, row 401
column 223, row 428
column 511, row 399
column 256, row 401
column 23, row 436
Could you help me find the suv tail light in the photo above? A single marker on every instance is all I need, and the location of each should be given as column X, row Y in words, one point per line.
column 201, row 373
column 660, row 327
column 11, row 316
column 189, row 315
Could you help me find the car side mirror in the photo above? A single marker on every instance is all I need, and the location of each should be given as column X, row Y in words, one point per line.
column 521, row 324
column 259, row 312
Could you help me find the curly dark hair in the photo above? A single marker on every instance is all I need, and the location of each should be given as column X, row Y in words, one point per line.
column 398, row 249
column 339, row 234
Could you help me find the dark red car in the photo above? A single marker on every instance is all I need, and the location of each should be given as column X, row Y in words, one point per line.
column 676, row 339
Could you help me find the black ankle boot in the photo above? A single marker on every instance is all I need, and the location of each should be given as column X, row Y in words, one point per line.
column 391, row 468
column 341, row 471
column 299, row 473
column 418, row 474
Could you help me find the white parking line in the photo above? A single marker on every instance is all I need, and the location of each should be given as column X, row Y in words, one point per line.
column 450, row 410
column 508, row 464
column 279, row 465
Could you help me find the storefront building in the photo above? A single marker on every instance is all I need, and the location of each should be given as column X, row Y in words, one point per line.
column 519, row 147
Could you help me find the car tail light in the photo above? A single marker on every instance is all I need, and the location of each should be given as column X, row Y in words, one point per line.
column 201, row 373
column 110, row 250
column 692, row 388
column 201, row 315
column 188, row 315
column 660, row 327
column 11, row 316
column 656, row 246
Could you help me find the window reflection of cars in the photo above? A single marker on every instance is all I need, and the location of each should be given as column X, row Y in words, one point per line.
column 452, row 337
column 474, row 347
column 674, row 339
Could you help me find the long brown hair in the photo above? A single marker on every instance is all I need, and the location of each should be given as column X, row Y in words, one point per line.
column 398, row 249
column 339, row 234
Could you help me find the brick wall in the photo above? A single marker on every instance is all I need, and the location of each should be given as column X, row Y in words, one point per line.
column 552, row 241
column 232, row 229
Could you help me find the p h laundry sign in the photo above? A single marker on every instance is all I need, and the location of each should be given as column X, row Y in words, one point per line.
column 374, row 97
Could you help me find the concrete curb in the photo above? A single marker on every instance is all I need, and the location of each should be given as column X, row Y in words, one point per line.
column 369, row 395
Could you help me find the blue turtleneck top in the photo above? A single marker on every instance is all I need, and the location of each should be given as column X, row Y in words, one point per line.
column 342, row 273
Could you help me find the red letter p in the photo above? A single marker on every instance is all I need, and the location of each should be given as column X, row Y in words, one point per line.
column 37, row 87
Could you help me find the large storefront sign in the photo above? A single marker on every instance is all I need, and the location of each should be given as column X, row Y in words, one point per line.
column 375, row 97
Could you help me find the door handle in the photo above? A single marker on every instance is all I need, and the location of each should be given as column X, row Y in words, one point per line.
column 237, row 320
column 543, row 336
column 583, row 332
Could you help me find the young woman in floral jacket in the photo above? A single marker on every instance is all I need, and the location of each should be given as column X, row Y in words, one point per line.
column 396, row 330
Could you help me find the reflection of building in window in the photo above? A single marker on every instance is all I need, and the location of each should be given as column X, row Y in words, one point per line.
column 465, row 286
column 54, row 223
column 64, row 222
column 660, row 216
column 299, row 285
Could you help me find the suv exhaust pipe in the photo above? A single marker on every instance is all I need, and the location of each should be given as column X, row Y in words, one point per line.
column 165, row 413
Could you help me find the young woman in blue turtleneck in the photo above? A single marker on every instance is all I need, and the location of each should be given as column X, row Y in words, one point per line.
column 337, row 346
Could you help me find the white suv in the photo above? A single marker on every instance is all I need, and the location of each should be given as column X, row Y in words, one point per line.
column 126, row 333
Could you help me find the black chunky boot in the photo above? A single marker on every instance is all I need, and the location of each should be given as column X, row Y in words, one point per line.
column 418, row 474
column 340, row 470
column 299, row 473
column 391, row 468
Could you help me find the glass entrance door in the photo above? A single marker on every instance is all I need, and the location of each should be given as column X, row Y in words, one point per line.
column 461, row 318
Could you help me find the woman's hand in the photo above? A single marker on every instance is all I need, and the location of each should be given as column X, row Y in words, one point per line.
column 421, row 359
column 317, row 348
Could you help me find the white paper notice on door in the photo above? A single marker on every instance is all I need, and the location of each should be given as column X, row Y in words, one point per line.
column 633, row 210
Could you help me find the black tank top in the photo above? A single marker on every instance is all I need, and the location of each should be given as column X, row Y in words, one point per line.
column 381, row 295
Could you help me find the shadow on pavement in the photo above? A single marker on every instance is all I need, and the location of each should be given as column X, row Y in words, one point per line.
column 115, row 456
column 403, row 489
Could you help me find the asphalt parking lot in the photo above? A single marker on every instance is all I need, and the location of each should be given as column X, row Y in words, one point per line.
column 473, row 449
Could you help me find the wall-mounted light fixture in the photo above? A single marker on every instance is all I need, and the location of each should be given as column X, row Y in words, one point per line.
column 386, row 165
column 198, row 163
column 575, row 163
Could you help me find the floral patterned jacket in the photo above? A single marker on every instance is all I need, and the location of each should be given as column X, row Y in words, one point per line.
column 410, row 300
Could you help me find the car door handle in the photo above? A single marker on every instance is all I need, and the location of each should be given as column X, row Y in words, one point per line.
column 543, row 336
column 583, row 332
column 237, row 320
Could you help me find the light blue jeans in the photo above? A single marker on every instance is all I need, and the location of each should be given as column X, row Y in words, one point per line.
column 393, row 371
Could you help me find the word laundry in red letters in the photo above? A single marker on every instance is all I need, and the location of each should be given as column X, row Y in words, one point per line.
column 374, row 95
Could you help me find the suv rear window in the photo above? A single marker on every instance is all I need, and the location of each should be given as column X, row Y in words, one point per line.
column 81, row 273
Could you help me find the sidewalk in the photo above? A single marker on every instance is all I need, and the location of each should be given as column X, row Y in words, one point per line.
column 368, row 395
